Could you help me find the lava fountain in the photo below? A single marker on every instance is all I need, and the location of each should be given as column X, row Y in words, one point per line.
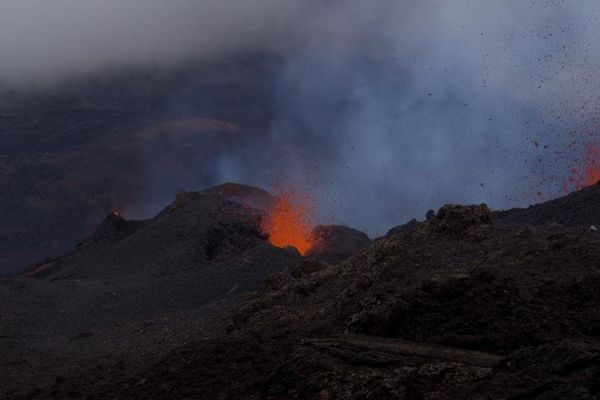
column 289, row 222
column 592, row 166
column 589, row 172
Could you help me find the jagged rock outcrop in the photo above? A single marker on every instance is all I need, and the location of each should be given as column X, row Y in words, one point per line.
column 335, row 243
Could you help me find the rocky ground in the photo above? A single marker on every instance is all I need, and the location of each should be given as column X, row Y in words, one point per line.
column 468, row 304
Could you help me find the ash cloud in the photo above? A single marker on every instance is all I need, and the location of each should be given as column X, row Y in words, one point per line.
column 42, row 41
column 381, row 110
column 396, row 107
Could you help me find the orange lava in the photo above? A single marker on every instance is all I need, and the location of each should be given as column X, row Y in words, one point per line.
column 589, row 173
column 289, row 222
column 592, row 167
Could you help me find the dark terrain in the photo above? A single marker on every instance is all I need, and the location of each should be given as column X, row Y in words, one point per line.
column 74, row 151
column 195, row 303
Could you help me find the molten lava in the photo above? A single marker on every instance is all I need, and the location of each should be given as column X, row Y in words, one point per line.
column 592, row 167
column 589, row 173
column 289, row 222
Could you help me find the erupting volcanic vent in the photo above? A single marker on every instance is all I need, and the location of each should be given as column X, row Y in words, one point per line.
column 589, row 172
column 592, row 166
column 289, row 222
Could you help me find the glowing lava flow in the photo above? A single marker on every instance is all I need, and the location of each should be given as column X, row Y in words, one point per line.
column 289, row 222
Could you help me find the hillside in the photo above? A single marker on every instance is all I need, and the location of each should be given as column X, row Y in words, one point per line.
column 578, row 208
column 468, row 304
column 122, row 139
column 146, row 281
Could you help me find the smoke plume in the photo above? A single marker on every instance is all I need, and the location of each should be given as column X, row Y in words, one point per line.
column 380, row 110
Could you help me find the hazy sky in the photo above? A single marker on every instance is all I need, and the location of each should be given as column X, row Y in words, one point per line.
column 48, row 39
column 431, row 101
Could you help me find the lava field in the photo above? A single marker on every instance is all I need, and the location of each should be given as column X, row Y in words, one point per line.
column 197, row 303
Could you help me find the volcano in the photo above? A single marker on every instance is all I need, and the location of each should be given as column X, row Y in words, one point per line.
column 197, row 302
column 73, row 152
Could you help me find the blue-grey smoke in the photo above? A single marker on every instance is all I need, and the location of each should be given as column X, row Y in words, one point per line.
column 389, row 109
column 379, row 110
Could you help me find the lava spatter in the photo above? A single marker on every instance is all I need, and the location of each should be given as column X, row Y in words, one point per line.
column 289, row 222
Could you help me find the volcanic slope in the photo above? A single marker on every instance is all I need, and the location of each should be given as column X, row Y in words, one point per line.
column 578, row 208
column 469, row 304
column 132, row 278
column 70, row 152
column 133, row 289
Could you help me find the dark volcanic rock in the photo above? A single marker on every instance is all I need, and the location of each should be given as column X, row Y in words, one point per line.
column 198, row 255
column 578, row 208
column 457, row 219
column 198, row 229
column 451, row 219
column 111, row 230
column 465, row 305
column 307, row 267
column 78, row 149
column 407, row 227
column 335, row 243
column 243, row 194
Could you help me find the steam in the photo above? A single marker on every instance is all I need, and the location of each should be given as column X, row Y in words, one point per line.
column 43, row 41
column 401, row 106
column 382, row 109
